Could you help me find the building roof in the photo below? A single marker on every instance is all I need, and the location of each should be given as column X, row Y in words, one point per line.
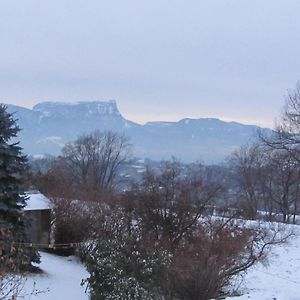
column 37, row 201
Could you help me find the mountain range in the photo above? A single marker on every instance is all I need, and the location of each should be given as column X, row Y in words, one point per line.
column 49, row 125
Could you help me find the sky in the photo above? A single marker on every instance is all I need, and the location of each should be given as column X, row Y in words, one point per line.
column 159, row 59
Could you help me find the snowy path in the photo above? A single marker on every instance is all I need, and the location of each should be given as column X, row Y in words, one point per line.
column 62, row 276
column 280, row 279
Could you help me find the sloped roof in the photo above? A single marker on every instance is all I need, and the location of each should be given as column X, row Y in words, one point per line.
column 37, row 201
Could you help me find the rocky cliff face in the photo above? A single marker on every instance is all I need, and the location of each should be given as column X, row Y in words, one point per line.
column 49, row 125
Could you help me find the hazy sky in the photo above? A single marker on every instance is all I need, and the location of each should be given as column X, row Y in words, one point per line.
column 160, row 60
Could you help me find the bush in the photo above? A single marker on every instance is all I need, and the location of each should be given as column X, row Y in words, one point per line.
column 72, row 223
column 125, row 268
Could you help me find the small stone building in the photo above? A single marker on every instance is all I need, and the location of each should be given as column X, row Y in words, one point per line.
column 38, row 213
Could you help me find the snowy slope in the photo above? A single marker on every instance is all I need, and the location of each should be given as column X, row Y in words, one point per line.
column 279, row 279
column 62, row 277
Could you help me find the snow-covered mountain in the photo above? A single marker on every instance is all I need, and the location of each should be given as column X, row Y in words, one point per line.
column 49, row 125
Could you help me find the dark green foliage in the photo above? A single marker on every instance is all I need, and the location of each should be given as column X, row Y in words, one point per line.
column 13, row 167
column 125, row 265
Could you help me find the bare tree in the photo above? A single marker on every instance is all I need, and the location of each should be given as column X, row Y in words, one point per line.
column 247, row 165
column 266, row 179
column 283, row 188
column 282, row 184
column 93, row 160
column 169, row 204
column 204, row 267
column 57, row 181
column 286, row 135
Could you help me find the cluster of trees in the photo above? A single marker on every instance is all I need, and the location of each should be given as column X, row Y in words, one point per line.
column 126, row 261
column 267, row 183
column 156, row 239
column 267, row 175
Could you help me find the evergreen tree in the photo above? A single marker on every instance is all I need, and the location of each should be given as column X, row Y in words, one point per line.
column 13, row 166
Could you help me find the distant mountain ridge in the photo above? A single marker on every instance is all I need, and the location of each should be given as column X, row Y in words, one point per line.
column 49, row 125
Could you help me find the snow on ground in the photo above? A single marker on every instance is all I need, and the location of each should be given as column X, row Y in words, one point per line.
column 279, row 279
column 62, row 277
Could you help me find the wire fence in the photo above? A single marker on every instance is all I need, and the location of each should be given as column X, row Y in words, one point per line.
column 44, row 246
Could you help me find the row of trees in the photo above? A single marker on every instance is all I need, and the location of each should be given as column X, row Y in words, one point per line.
column 267, row 183
column 259, row 180
column 267, row 175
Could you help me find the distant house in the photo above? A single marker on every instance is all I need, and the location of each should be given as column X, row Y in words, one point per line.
column 38, row 213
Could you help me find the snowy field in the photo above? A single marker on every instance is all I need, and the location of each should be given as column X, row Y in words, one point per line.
column 61, row 279
column 278, row 280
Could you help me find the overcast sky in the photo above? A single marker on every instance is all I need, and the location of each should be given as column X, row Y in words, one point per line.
column 159, row 59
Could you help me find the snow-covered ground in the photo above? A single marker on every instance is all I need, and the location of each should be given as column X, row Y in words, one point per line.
column 61, row 279
column 279, row 279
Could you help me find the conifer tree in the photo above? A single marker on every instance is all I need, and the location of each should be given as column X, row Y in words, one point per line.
column 13, row 166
